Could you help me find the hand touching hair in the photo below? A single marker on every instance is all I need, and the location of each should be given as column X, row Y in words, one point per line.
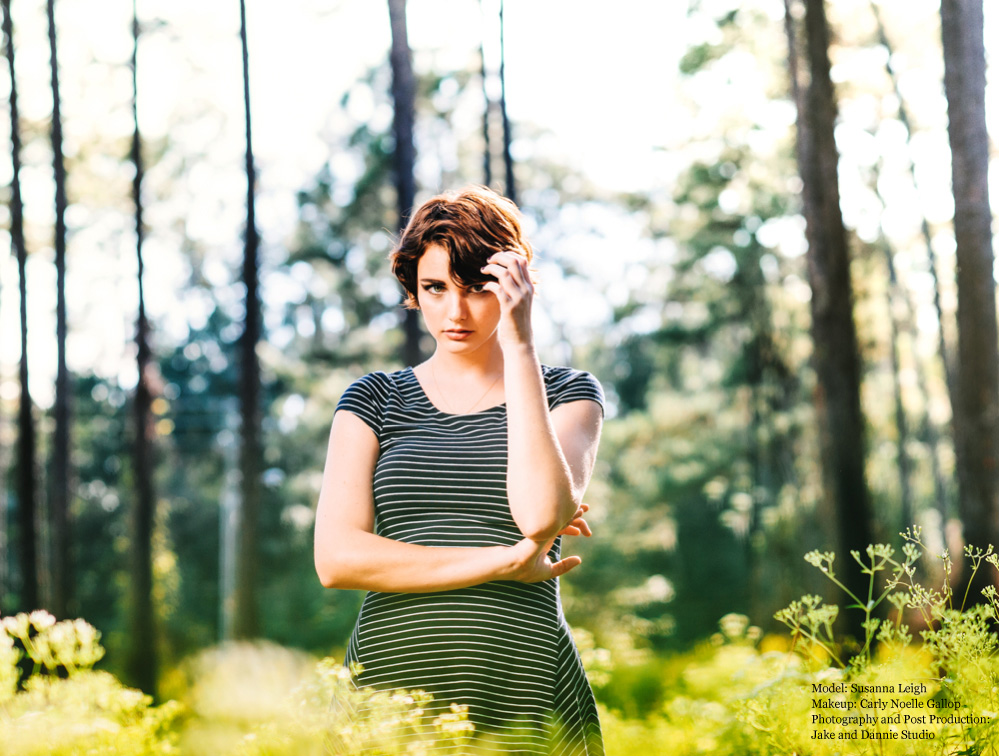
column 470, row 224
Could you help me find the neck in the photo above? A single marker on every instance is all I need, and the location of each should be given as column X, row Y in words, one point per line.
column 484, row 362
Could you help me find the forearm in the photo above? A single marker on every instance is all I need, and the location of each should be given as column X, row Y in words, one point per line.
column 357, row 559
column 539, row 483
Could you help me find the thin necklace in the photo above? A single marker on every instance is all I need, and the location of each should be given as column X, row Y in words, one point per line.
column 433, row 374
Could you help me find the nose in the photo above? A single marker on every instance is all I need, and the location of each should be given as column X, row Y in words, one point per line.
column 457, row 309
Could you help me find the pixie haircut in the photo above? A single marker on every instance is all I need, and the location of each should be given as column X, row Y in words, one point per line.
column 470, row 224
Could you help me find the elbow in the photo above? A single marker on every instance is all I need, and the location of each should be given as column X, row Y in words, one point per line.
column 327, row 575
column 542, row 527
column 540, row 531
column 331, row 572
column 542, row 523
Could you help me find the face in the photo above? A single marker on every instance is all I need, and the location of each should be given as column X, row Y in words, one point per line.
column 461, row 319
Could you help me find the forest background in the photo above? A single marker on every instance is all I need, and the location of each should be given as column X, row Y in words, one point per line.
column 670, row 173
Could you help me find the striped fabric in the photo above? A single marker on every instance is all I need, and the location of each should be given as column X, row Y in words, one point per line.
column 503, row 648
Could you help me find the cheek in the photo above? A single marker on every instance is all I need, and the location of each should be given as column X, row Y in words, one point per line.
column 489, row 309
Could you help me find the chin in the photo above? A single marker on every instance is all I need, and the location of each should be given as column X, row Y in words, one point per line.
column 464, row 346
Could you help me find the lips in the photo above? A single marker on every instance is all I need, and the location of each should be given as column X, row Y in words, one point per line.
column 457, row 333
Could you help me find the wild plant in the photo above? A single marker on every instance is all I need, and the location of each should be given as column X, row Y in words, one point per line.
column 954, row 668
column 53, row 702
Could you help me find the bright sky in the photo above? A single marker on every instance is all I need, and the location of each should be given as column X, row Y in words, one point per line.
column 601, row 77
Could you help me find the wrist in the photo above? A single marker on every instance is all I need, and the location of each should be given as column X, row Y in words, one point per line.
column 520, row 350
column 514, row 558
column 506, row 563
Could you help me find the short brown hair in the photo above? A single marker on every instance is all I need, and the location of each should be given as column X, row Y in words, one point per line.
column 470, row 224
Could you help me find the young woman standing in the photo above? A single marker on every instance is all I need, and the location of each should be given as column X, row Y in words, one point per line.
column 448, row 485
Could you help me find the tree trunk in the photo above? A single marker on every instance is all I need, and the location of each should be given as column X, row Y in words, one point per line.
column 835, row 356
column 61, row 564
column 928, row 430
column 511, row 184
column 487, row 151
column 142, row 666
column 976, row 407
column 27, row 495
column 246, row 620
column 907, row 515
column 404, row 100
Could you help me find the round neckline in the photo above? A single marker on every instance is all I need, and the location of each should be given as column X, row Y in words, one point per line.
column 438, row 410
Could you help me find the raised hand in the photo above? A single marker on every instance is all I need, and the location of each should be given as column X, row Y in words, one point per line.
column 515, row 292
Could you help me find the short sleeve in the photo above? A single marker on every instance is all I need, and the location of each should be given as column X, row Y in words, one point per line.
column 366, row 398
column 566, row 385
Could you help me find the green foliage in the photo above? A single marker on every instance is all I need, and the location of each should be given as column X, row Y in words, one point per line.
column 746, row 693
column 739, row 693
column 257, row 699
column 243, row 700
column 65, row 707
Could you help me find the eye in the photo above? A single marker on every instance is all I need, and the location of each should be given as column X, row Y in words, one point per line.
column 477, row 288
column 434, row 288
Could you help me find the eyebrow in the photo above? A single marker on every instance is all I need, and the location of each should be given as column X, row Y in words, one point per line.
column 429, row 281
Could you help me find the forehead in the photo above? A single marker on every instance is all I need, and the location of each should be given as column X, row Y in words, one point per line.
column 434, row 263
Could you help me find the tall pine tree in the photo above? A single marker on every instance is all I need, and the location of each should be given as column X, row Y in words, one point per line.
column 404, row 101
column 26, row 445
column 247, row 619
column 142, row 638
column 834, row 337
column 59, row 479
column 976, row 407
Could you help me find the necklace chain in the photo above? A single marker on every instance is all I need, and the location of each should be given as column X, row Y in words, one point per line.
column 433, row 374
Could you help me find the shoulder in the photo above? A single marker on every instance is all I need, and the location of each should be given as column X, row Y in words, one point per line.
column 368, row 396
column 372, row 386
column 567, row 384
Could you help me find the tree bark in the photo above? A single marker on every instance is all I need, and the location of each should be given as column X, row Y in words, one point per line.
column 404, row 100
column 142, row 659
column 977, row 404
column 928, row 430
column 487, row 151
column 61, row 560
column 907, row 515
column 27, row 490
column 246, row 620
column 511, row 183
column 835, row 355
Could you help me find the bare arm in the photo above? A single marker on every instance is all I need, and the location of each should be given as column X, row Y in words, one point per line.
column 349, row 555
column 550, row 454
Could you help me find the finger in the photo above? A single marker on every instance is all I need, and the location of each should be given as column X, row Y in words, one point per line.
column 508, row 257
column 577, row 526
column 514, row 263
column 501, row 294
column 512, row 291
column 505, row 274
column 564, row 565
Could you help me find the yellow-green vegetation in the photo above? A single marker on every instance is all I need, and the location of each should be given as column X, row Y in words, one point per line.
column 741, row 692
column 746, row 694
column 53, row 702
column 240, row 699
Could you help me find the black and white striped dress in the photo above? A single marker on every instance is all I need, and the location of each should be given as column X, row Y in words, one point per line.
column 503, row 648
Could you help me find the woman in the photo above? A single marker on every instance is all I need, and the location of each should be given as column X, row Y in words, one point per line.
column 448, row 485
